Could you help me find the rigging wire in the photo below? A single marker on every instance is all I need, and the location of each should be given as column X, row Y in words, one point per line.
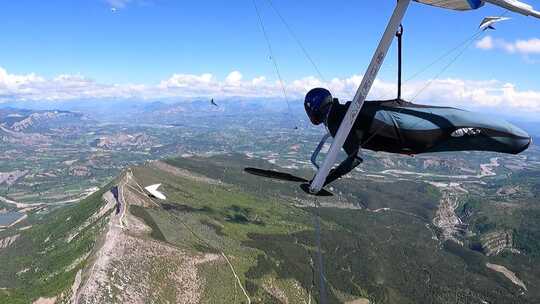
column 446, row 67
column 317, row 216
column 322, row 289
column 297, row 40
column 443, row 56
column 465, row 45
column 274, row 61
column 451, row 51
column 317, row 219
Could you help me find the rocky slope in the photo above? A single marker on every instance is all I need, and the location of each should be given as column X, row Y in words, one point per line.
column 224, row 236
column 20, row 120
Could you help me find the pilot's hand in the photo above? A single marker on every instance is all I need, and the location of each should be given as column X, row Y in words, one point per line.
column 330, row 178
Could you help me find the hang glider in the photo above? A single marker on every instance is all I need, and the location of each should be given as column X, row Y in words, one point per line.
column 153, row 190
column 377, row 60
column 488, row 22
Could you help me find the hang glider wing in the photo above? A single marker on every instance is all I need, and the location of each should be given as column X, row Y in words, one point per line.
column 465, row 5
column 378, row 59
column 153, row 190
column 516, row 7
column 488, row 22
column 459, row 5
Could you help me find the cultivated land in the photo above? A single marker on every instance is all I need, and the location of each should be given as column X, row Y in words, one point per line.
column 448, row 228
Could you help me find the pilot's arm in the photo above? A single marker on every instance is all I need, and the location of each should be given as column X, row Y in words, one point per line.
column 351, row 162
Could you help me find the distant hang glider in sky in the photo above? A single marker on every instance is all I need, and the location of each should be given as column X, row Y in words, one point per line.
column 378, row 59
column 153, row 190
column 488, row 22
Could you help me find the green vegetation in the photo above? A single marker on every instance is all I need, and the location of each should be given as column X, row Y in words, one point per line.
column 527, row 235
column 265, row 227
column 42, row 263
column 388, row 257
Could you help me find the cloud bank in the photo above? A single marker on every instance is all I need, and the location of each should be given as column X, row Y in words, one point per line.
column 492, row 94
column 524, row 47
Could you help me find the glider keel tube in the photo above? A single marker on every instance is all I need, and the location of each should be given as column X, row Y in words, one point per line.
column 361, row 94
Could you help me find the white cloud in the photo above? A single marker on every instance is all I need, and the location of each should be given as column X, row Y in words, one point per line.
column 485, row 43
column 258, row 80
column 486, row 95
column 13, row 82
column 186, row 80
column 118, row 3
column 234, row 78
column 524, row 47
column 531, row 46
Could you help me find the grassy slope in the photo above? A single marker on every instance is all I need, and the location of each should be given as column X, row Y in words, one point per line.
column 389, row 256
column 47, row 261
column 210, row 218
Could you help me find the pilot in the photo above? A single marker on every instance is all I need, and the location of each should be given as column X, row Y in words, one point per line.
column 319, row 104
column 398, row 126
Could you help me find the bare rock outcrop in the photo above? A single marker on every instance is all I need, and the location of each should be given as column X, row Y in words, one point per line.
column 495, row 242
column 8, row 241
column 125, row 140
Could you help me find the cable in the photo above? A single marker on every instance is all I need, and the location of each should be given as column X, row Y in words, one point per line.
column 440, row 58
column 427, row 85
column 322, row 289
column 298, row 41
column 274, row 61
column 446, row 67
column 448, row 53
column 465, row 44
column 457, row 47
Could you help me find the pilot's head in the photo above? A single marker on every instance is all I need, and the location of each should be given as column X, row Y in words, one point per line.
column 318, row 103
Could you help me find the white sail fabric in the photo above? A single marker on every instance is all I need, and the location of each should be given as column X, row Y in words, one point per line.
column 460, row 5
column 488, row 22
column 465, row 5
column 516, row 7
column 154, row 192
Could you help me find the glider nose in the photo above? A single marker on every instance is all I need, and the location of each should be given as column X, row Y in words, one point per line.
column 521, row 144
column 529, row 143
column 518, row 139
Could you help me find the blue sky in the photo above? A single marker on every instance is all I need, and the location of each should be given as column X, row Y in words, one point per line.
column 146, row 42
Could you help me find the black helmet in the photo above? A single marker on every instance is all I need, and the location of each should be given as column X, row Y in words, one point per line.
column 317, row 104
